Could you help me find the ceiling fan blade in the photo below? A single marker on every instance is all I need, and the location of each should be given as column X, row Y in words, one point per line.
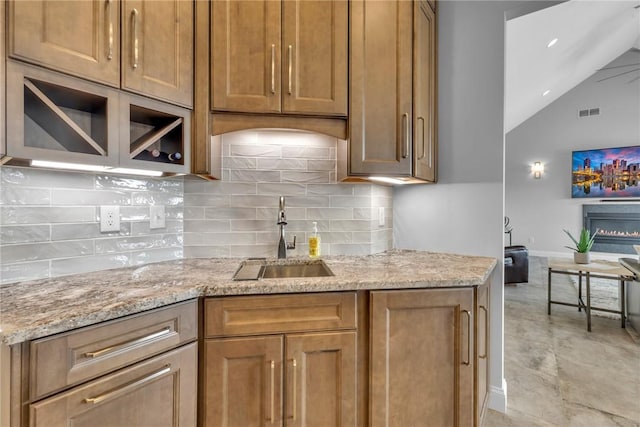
column 633, row 80
column 618, row 75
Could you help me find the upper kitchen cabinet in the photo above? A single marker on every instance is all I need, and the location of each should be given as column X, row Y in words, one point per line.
column 157, row 52
column 84, row 39
column 279, row 57
column 393, row 82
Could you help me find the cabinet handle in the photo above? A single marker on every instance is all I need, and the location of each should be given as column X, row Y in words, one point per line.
column 273, row 68
column 424, row 151
column 405, row 130
column 137, row 341
column 109, row 29
column 468, row 361
column 294, row 365
column 95, row 400
column 486, row 331
column 290, row 66
column 273, row 388
column 134, row 20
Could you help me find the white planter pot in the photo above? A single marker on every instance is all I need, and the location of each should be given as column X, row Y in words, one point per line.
column 582, row 257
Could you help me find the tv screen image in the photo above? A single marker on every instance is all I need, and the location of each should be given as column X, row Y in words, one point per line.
column 606, row 173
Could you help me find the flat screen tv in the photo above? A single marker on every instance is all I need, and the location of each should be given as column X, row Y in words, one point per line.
column 606, row 173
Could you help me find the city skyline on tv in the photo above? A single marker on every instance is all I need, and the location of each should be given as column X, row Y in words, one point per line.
column 606, row 173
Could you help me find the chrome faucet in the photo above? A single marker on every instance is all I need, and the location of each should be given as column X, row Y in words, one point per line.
column 282, row 243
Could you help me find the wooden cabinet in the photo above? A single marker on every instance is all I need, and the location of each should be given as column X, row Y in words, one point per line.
column 279, row 57
column 278, row 376
column 158, row 392
column 392, row 99
column 422, row 358
column 2, row 91
column 482, row 350
column 84, row 39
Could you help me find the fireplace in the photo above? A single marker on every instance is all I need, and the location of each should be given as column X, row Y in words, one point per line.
column 618, row 226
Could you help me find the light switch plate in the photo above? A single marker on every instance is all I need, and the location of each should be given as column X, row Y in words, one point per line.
column 157, row 217
column 109, row 218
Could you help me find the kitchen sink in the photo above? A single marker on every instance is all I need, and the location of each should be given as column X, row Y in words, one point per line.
column 252, row 270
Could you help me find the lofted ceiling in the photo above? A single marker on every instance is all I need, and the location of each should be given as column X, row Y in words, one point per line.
column 590, row 35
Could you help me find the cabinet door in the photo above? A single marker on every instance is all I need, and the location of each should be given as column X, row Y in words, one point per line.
column 482, row 351
column 243, row 382
column 314, row 52
column 422, row 358
column 157, row 49
column 321, row 380
column 424, row 93
column 75, row 37
column 159, row 392
column 245, row 55
column 2, row 89
column 381, row 71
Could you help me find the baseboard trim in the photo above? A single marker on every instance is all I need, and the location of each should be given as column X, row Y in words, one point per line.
column 498, row 397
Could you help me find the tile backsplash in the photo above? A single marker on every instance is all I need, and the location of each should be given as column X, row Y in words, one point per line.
column 237, row 216
column 49, row 222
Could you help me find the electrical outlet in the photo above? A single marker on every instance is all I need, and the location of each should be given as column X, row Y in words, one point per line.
column 109, row 218
column 156, row 217
column 381, row 217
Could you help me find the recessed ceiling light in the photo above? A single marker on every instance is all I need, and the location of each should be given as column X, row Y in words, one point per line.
column 552, row 42
column 546, row 92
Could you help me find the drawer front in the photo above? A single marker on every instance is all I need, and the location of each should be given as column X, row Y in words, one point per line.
column 65, row 359
column 159, row 392
column 233, row 316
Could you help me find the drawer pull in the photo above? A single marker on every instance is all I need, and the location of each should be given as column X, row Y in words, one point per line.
column 468, row 361
column 273, row 68
column 134, row 20
column 294, row 398
column 98, row 353
column 95, row 400
column 486, row 331
column 290, row 67
column 273, row 386
column 110, row 30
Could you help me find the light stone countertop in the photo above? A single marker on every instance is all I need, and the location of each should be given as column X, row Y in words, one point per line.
column 35, row 309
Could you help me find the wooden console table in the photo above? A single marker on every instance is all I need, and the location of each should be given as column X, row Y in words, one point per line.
column 596, row 269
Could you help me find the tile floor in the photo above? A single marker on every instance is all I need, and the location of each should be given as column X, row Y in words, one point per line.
column 557, row 373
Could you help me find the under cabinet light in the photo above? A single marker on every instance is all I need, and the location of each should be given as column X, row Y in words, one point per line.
column 387, row 180
column 134, row 171
column 92, row 168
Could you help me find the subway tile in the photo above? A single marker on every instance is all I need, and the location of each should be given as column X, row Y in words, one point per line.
column 321, row 165
column 155, row 198
column 305, row 177
column 254, row 176
column 120, row 182
column 351, row 225
column 251, row 225
column 330, row 189
column 363, row 190
column 279, row 189
column 34, row 177
column 89, row 197
column 194, row 185
column 24, row 234
column 255, row 150
column 206, row 200
column 155, row 255
column 206, row 252
column 134, row 213
column 329, row 213
column 230, row 213
column 243, row 251
column 194, row 212
column 294, row 138
column 229, row 188
column 206, row 225
column 85, row 231
column 282, row 164
column 46, row 214
column 126, row 244
column 360, row 237
column 11, row 273
column 363, row 213
column 172, row 226
column 272, row 213
column 256, row 201
column 336, row 237
column 45, row 250
column 239, row 163
column 208, row 239
column 63, row 267
column 11, row 195
column 272, row 236
column 306, row 152
column 382, row 191
column 308, row 201
column 350, row 202
column 350, row 249
column 307, row 225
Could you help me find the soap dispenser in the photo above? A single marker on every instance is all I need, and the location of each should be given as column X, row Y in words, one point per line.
column 314, row 242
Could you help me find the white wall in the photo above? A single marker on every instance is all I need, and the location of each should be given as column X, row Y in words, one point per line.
column 463, row 213
column 540, row 208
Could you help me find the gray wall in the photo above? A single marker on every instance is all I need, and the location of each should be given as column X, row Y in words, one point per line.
column 540, row 208
column 463, row 212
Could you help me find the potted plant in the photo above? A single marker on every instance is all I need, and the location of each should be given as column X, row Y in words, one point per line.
column 581, row 254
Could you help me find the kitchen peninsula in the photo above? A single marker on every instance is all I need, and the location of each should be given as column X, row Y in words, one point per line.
column 423, row 307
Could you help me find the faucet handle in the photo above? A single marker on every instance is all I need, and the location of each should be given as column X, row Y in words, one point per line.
column 292, row 245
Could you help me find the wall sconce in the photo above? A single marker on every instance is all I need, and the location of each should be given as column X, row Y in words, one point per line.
column 537, row 169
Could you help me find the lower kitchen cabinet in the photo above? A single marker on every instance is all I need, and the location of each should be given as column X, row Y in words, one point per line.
column 158, row 392
column 422, row 358
column 482, row 350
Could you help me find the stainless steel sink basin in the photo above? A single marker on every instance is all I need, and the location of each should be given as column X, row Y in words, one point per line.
column 254, row 270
